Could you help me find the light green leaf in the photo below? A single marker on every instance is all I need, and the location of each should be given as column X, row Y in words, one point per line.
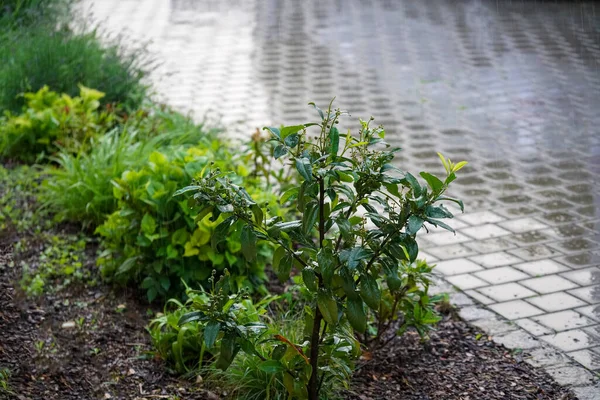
column 434, row 182
column 290, row 130
column 148, row 224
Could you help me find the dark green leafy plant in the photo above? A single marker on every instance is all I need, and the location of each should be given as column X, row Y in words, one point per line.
column 246, row 348
column 158, row 240
column 354, row 239
column 50, row 120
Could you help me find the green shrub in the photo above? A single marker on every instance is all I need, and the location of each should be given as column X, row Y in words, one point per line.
column 79, row 188
column 193, row 337
column 354, row 245
column 50, row 121
column 158, row 240
column 36, row 57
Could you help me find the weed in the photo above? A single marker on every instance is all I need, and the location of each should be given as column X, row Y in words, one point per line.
column 5, row 375
column 59, row 264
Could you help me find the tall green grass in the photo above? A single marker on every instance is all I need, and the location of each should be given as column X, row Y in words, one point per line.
column 17, row 13
column 36, row 56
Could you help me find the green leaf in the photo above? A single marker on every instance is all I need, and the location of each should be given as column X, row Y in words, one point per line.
column 459, row 202
column 334, row 141
column 292, row 140
column 414, row 184
column 282, row 263
column 326, row 262
column 310, row 216
column 438, row 212
column 211, row 332
column 191, row 188
column 355, row 313
column 279, row 151
column 391, row 274
column 450, row 178
column 290, row 130
column 248, row 239
column 304, row 168
column 127, row 265
column 271, row 366
column 433, row 181
column 191, row 317
column 289, row 194
column 327, row 306
column 318, row 110
column 258, row 214
column 229, row 349
column 148, row 224
column 436, row 222
column 344, row 226
column 393, row 189
column 353, row 256
column 414, row 224
column 221, row 231
column 411, row 247
column 165, row 282
column 348, row 283
column 279, row 351
column 310, row 279
column 274, row 131
column 370, row 292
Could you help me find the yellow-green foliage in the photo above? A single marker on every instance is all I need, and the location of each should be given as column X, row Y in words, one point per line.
column 50, row 121
column 158, row 240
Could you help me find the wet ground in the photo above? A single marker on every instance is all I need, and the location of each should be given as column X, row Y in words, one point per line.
column 511, row 86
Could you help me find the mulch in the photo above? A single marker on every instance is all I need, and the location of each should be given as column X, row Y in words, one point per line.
column 104, row 352
column 456, row 363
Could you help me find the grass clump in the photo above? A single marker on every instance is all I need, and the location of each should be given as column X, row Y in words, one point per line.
column 79, row 187
column 34, row 57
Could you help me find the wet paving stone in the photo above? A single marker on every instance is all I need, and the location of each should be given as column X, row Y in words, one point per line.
column 556, row 302
column 571, row 340
column 516, row 96
column 564, row 320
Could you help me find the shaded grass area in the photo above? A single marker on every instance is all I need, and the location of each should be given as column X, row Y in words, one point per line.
column 37, row 56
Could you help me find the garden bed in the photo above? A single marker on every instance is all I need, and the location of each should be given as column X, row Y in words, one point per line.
column 104, row 352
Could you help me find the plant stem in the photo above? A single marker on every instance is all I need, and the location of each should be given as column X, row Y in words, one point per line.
column 313, row 383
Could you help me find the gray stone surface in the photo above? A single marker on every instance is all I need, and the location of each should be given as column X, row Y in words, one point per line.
column 511, row 86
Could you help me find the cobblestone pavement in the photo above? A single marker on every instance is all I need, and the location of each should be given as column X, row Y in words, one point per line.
column 511, row 86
